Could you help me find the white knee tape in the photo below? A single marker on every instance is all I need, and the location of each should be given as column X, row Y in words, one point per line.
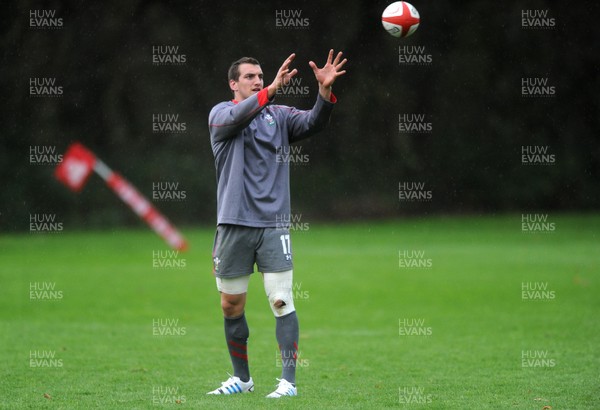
column 233, row 286
column 278, row 286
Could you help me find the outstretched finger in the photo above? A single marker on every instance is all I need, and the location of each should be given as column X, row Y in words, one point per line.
column 340, row 65
column 288, row 61
column 285, row 80
column 337, row 58
column 330, row 56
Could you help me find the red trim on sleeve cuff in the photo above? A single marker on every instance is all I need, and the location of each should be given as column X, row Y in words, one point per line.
column 263, row 97
column 332, row 98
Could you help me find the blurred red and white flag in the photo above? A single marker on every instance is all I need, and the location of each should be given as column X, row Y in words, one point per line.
column 144, row 209
column 76, row 167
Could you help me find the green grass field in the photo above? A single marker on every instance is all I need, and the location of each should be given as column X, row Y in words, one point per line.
column 478, row 343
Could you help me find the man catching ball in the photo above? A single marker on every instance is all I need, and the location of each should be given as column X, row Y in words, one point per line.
column 252, row 196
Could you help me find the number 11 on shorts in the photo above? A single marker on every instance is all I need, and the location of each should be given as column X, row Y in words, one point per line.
column 286, row 244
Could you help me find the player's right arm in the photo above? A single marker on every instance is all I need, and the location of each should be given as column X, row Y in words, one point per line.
column 283, row 77
column 227, row 119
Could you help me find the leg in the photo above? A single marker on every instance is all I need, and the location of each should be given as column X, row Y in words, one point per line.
column 233, row 255
column 236, row 327
column 233, row 299
column 233, row 305
column 278, row 287
column 275, row 255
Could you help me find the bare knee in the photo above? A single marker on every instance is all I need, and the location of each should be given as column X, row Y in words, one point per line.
column 233, row 305
column 279, row 304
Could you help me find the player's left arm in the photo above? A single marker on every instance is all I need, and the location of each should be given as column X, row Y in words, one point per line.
column 327, row 75
column 302, row 124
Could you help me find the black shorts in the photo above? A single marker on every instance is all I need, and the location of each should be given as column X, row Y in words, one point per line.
column 237, row 248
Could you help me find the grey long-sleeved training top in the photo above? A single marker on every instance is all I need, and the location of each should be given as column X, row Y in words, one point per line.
column 250, row 140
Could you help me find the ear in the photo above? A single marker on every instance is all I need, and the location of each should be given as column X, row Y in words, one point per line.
column 233, row 85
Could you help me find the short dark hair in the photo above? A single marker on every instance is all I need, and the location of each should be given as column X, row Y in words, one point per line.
column 234, row 69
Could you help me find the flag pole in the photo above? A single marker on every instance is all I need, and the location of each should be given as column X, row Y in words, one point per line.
column 74, row 170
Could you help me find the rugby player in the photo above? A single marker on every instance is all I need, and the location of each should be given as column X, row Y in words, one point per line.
column 253, row 197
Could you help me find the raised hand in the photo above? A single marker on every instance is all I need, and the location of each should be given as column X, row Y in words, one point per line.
column 283, row 76
column 327, row 75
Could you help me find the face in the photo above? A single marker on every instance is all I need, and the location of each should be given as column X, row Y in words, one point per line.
column 249, row 83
